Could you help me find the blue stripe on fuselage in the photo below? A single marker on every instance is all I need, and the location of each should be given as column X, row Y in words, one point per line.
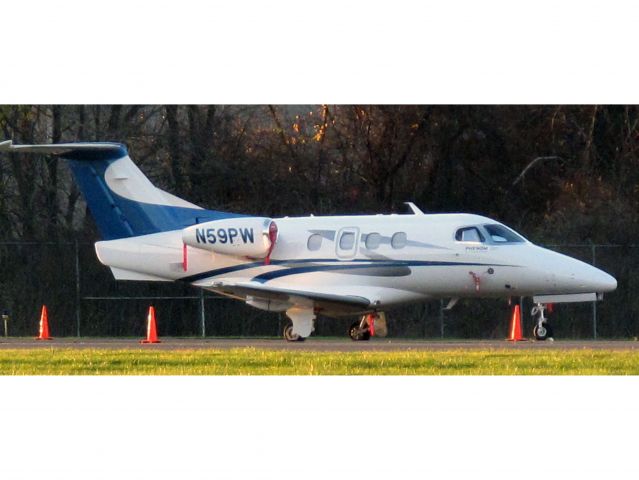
column 336, row 265
column 265, row 277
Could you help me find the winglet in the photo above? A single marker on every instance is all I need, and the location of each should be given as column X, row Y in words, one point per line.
column 414, row 208
column 6, row 145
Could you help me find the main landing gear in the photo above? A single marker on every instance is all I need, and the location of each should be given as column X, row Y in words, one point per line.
column 373, row 324
column 301, row 325
column 289, row 336
column 542, row 329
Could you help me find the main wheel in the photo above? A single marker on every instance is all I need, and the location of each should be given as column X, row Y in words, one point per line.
column 542, row 332
column 289, row 336
column 356, row 334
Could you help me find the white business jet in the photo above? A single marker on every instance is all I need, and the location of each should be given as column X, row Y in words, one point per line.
column 336, row 265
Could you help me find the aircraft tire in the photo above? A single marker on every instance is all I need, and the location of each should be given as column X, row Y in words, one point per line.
column 543, row 333
column 289, row 336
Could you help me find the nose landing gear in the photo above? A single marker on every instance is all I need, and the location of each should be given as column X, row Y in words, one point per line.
column 542, row 330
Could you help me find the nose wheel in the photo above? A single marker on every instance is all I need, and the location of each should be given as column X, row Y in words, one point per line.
column 542, row 330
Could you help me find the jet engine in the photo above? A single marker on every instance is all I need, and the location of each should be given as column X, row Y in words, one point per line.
column 252, row 237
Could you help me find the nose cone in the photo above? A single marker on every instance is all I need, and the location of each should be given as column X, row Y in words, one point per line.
column 569, row 275
column 604, row 282
column 588, row 278
column 585, row 278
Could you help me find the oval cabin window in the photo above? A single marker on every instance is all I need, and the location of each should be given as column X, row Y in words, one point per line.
column 399, row 240
column 373, row 240
column 314, row 242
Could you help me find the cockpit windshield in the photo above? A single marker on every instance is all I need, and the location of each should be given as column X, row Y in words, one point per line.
column 500, row 234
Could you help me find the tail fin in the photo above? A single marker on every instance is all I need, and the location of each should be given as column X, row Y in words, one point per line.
column 122, row 200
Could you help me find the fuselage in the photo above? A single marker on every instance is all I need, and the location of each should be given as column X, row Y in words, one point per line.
column 390, row 259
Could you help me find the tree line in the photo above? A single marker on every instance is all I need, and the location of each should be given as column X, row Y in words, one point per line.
column 558, row 174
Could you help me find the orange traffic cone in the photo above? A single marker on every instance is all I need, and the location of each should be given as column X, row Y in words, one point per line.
column 151, row 328
column 515, row 326
column 44, row 325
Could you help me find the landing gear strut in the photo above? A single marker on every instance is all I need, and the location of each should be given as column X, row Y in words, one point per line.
column 542, row 330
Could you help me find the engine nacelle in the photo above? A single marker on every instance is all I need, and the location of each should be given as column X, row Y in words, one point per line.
column 242, row 237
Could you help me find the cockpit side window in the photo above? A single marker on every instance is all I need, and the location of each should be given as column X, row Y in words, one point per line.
column 500, row 234
column 469, row 234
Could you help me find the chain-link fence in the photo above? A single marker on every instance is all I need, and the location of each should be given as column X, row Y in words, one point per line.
column 83, row 299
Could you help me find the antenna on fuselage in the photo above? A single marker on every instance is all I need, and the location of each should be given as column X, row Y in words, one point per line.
column 414, row 208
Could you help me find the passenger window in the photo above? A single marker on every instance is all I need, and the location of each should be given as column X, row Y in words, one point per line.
column 373, row 240
column 399, row 240
column 469, row 234
column 347, row 240
column 314, row 242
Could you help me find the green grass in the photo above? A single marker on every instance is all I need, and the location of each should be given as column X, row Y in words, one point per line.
column 251, row 361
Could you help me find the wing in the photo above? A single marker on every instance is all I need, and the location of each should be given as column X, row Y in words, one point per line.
column 326, row 302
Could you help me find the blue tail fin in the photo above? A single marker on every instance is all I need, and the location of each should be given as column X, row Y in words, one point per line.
column 122, row 200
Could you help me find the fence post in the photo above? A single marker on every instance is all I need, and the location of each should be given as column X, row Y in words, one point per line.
column 425, row 312
column 441, row 318
column 594, row 304
column 77, row 289
column 522, row 314
column 202, row 314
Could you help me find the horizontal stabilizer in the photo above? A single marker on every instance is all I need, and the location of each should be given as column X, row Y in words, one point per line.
column 58, row 148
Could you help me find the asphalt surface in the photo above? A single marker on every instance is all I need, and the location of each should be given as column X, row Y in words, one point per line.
column 314, row 344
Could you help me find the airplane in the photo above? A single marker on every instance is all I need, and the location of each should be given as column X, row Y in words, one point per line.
column 359, row 265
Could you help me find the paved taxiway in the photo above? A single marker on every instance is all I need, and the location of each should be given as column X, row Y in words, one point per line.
column 315, row 344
